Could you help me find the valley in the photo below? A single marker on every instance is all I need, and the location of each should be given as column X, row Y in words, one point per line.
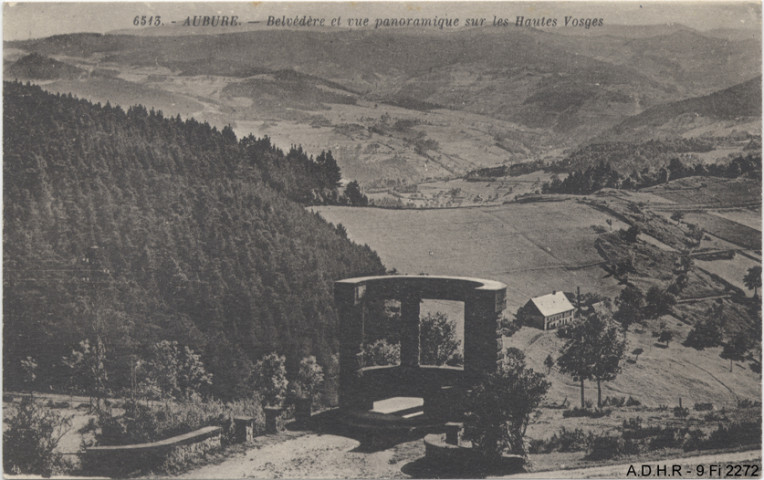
column 430, row 106
column 191, row 199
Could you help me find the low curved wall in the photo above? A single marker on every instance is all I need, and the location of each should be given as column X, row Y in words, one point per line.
column 459, row 457
column 118, row 460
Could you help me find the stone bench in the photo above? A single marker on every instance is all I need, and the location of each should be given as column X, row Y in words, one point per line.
column 119, row 460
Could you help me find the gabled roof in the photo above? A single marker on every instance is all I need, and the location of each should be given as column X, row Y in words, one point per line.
column 552, row 303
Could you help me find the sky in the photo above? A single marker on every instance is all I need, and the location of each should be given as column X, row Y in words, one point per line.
column 22, row 20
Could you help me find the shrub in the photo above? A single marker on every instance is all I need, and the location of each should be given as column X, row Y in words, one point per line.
column 630, row 447
column 141, row 423
column 564, row 441
column 508, row 327
column 500, row 406
column 632, row 423
column 702, row 407
column 438, row 341
column 633, row 402
column 715, row 416
column 270, row 379
column 569, row 440
column 748, row 403
column 681, row 412
column 705, row 334
column 584, row 412
column 633, row 430
column 734, row 435
column 602, row 447
column 30, row 438
column 693, row 440
column 308, row 380
column 668, row 437
column 381, row 353
column 537, row 446
column 52, row 404
column 614, row 401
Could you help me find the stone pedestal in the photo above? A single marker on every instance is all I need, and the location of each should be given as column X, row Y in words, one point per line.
column 453, row 429
column 274, row 419
column 303, row 408
column 244, row 429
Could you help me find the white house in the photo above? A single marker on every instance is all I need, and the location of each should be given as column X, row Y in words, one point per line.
column 549, row 311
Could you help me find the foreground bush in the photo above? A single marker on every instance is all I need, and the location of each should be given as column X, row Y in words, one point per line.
column 30, row 438
column 500, row 407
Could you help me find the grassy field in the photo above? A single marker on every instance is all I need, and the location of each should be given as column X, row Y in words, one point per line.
column 709, row 191
column 729, row 230
column 534, row 248
column 750, row 217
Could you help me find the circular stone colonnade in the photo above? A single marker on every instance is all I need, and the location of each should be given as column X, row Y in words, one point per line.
column 441, row 387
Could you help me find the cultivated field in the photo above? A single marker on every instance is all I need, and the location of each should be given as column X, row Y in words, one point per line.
column 750, row 217
column 710, row 192
column 534, row 248
column 729, row 230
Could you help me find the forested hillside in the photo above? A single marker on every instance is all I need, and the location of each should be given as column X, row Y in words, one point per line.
column 138, row 228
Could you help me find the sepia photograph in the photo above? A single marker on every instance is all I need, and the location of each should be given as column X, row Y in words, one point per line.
column 372, row 240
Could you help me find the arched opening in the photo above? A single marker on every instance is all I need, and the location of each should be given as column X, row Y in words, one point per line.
column 412, row 389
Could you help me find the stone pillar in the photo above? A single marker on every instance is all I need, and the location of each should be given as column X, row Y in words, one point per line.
column 410, row 330
column 453, row 429
column 348, row 298
column 482, row 311
column 274, row 419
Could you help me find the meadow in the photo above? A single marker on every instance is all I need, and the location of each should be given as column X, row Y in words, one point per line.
column 535, row 248
column 711, row 192
column 729, row 230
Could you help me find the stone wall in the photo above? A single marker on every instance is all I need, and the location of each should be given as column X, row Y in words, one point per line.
column 121, row 460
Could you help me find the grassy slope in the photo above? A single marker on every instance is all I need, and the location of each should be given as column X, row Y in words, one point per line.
column 695, row 114
column 659, row 377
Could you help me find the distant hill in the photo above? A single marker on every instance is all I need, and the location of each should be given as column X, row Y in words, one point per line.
column 528, row 76
column 140, row 228
column 497, row 95
column 38, row 67
column 717, row 114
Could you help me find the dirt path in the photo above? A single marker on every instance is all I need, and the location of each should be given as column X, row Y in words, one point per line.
column 312, row 455
column 688, row 467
